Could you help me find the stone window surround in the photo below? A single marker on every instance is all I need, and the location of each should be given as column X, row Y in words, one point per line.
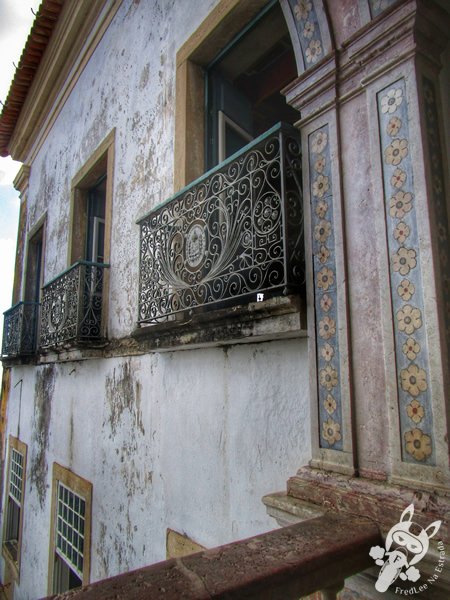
column 100, row 162
column 21, row 448
column 83, row 488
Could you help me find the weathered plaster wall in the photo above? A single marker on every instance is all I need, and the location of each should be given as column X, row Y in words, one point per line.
column 189, row 440
column 129, row 85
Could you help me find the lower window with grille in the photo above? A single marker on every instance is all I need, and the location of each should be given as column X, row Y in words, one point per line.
column 70, row 540
column 12, row 529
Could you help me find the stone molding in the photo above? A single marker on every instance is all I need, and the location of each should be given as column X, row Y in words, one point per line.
column 77, row 33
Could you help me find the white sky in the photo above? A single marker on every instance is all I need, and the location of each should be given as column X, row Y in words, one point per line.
column 16, row 20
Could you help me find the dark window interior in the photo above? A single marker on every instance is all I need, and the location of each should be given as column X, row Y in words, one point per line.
column 244, row 83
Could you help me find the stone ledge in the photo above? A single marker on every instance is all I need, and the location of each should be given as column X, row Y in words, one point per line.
column 287, row 510
column 277, row 318
column 315, row 492
column 377, row 500
column 284, row 564
column 282, row 317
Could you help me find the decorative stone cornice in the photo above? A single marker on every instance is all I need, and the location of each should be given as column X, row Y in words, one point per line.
column 411, row 28
column 22, row 179
column 77, row 33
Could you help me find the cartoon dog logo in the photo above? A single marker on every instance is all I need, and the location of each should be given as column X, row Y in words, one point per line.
column 406, row 544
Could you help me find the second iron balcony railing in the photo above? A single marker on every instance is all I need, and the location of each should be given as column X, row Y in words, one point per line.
column 233, row 233
column 71, row 308
column 19, row 330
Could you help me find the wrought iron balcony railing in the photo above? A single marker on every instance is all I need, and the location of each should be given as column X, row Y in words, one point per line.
column 234, row 232
column 19, row 330
column 72, row 306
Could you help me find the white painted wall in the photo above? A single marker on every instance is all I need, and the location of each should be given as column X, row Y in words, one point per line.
column 188, row 440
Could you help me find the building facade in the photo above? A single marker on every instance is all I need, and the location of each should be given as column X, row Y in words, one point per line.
column 207, row 300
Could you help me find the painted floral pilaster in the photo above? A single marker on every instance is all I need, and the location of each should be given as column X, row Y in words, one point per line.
column 411, row 349
column 324, row 272
column 308, row 27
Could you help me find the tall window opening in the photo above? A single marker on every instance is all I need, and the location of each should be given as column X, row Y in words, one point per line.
column 12, row 532
column 243, row 85
column 33, row 277
column 95, row 236
column 71, row 526
column 88, row 241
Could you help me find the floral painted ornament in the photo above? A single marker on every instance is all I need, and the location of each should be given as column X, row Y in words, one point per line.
column 327, row 352
column 330, row 404
column 404, row 260
column 326, row 302
column 391, row 101
column 302, row 9
column 321, row 209
column 319, row 142
column 308, row 30
column 320, row 186
column 411, row 348
column 414, row 380
column 418, row 444
column 328, row 377
column 322, row 230
column 396, row 152
column 401, row 232
column 409, row 319
column 398, row 178
column 313, row 51
column 394, row 126
column 406, row 290
column 327, row 328
column 415, row 411
column 325, row 278
column 331, row 431
column 323, row 254
column 320, row 163
column 401, row 204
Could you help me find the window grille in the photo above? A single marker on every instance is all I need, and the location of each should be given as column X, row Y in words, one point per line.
column 70, row 528
column 16, row 476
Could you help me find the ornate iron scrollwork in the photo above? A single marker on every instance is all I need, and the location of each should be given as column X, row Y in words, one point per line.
column 19, row 329
column 72, row 305
column 235, row 232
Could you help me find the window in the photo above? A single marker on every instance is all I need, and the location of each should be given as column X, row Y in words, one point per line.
column 234, row 235
column 243, row 83
column 92, row 206
column 91, row 214
column 33, row 276
column 12, row 532
column 70, row 534
column 229, row 76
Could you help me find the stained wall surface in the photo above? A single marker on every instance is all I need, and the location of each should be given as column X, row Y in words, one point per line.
column 184, row 440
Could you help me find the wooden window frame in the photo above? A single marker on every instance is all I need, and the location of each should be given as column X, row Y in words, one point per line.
column 83, row 488
column 21, row 447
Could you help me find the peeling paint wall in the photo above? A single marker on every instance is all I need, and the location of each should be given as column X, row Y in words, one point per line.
column 187, row 440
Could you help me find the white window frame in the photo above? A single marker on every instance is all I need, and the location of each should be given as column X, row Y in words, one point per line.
column 15, row 494
column 66, row 530
column 225, row 120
